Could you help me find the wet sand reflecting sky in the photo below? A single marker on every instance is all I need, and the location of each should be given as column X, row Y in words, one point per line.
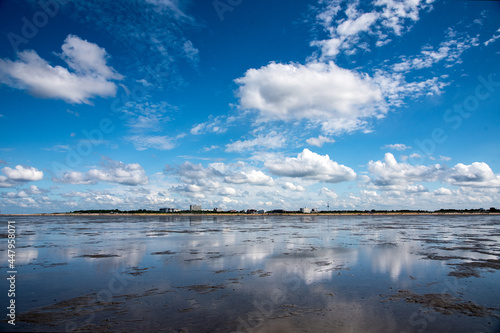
column 258, row 274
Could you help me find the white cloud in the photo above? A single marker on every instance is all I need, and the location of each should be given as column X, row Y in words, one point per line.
column 293, row 187
column 209, row 179
column 395, row 87
column 143, row 142
column 87, row 58
column 190, row 172
column 23, row 174
column 338, row 99
column 319, row 141
column 99, row 198
column 448, row 51
column 254, row 177
column 33, row 190
column 171, row 6
column 354, row 26
column 191, row 52
column 59, row 148
column 215, row 125
column 414, row 156
column 395, row 13
column 416, row 189
column 14, row 195
column 113, row 172
column 396, row 146
column 309, row 165
column 91, row 76
column 493, row 38
column 19, row 174
column 212, row 147
column 442, row 191
column 478, row 174
column 270, row 141
column 390, row 174
column 343, row 33
column 226, row 190
column 369, row 193
column 347, row 34
column 329, row 193
column 146, row 116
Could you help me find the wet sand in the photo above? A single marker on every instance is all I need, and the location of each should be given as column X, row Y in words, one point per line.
column 232, row 273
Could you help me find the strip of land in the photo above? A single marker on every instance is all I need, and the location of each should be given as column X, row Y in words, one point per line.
column 331, row 213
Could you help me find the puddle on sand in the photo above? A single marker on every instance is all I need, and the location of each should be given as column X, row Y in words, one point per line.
column 257, row 274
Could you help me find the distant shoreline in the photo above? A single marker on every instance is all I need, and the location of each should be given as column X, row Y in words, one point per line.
column 265, row 214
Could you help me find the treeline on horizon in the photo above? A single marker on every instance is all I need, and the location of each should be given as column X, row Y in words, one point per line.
column 281, row 211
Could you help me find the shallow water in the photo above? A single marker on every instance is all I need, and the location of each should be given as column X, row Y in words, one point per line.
column 256, row 273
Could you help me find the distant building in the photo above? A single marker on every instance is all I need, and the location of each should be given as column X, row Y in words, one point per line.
column 251, row 211
column 217, row 210
column 305, row 210
column 169, row 210
column 195, row 208
column 261, row 211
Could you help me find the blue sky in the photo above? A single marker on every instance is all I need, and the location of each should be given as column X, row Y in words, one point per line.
column 240, row 104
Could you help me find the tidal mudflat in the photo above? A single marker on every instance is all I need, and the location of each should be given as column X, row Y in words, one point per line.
column 256, row 273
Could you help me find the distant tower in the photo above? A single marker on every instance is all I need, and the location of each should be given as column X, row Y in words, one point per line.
column 328, row 206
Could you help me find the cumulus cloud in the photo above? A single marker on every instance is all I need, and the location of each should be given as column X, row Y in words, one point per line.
column 23, row 174
column 18, row 175
column 210, row 178
column 26, row 193
column 351, row 29
column 319, row 141
column 191, row 190
column 339, row 99
column 442, row 191
column 90, row 75
column 477, row 174
column 293, row 187
column 329, row 193
column 254, row 177
column 15, row 195
column 113, row 172
column 390, row 174
column 309, row 165
column 416, row 189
